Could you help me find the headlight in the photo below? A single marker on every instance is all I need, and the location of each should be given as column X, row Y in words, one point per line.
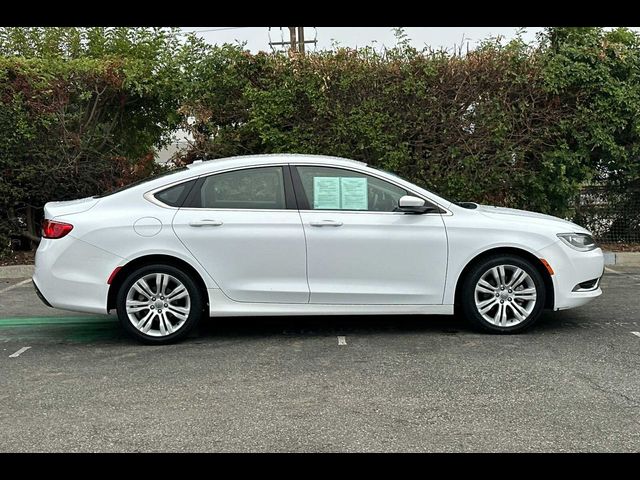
column 578, row 241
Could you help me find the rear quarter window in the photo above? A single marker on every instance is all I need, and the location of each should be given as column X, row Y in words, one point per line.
column 174, row 196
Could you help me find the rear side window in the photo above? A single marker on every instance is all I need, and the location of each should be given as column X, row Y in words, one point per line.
column 174, row 196
column 250, row 188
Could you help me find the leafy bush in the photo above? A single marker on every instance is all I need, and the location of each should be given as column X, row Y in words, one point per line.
column 508, row 124
column 80, row 112
column 523, row 125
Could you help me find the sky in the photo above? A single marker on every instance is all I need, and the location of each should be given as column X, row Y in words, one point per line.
column 257, row 38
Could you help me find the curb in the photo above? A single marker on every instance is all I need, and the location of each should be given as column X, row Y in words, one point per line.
column 609, row 258
column 622, row 259
column 17, row 271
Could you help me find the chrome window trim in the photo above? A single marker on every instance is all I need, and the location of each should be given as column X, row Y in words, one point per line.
column 194, row 209
column 151, row 198
column 149, row 195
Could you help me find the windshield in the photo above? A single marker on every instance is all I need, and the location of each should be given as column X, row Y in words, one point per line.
column 140, row 182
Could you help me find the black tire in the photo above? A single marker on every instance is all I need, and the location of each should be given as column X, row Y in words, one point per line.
column 195, row 311
column 467, row 294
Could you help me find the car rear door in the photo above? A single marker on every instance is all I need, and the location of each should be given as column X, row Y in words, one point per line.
column 243, row 227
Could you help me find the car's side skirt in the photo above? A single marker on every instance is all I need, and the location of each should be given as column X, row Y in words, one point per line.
column 221, row 306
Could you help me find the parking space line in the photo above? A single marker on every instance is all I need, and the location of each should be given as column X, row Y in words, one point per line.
column 15, row 286
column 342, row 340
column 19, row 352
column 622, row 274
column 637, row 334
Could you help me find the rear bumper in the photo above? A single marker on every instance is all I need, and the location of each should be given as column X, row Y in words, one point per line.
column 572, row 268
column 39, row 293
column 71, row 274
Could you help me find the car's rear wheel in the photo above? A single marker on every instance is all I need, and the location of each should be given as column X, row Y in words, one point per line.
column 503, row 294
column 158, row 304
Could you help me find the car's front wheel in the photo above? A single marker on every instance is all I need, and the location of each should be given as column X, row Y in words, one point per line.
column 503, row 294
column 158, row 304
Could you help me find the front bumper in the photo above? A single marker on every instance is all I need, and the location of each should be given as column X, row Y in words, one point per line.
column 572, row 268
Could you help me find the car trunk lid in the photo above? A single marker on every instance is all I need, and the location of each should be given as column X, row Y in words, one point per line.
column 57, row 209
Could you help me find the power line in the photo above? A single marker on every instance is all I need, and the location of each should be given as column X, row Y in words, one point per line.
column 211, row 30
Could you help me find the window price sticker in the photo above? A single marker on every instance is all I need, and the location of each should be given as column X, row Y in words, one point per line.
column 340, row 193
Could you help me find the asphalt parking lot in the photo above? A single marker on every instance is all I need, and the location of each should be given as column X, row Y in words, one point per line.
column 323, row 384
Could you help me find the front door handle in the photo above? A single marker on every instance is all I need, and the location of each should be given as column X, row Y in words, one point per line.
column 205, row 223
column 326, row 223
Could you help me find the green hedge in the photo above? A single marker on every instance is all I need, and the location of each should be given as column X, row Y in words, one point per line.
column 80, row 112
column 508, row 124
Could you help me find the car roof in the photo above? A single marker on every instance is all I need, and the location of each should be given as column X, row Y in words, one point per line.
column 205, row 167
column 266, row 159
column 202, row 167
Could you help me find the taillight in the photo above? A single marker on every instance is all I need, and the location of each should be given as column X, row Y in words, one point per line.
column 53, row 229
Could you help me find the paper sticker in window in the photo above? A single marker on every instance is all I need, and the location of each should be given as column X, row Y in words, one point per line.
column 354, row 193
column 326, row 193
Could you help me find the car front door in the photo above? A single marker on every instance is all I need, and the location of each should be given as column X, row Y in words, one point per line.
column 360, row 250
column 244, row 229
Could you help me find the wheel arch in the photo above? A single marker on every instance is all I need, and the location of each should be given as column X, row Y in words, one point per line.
column 136, row 263
column 535, row 261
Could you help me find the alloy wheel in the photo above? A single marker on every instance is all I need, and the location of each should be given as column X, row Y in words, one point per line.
column 158, row 304
column 505, row 295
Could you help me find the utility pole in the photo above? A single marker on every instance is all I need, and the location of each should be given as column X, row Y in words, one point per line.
column 296, row 41
column 292, row 39
column 300, row 40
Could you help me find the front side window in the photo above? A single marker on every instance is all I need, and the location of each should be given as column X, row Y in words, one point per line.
column 251, row 188
column 327, row 188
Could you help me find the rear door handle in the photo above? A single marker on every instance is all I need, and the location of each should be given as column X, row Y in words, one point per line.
column 326, row 223
column 205, row 223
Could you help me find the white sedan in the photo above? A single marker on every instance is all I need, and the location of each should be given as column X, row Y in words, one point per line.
column 305, row 235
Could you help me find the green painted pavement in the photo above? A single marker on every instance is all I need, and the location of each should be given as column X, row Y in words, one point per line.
column 26, row 321
column 67, row 329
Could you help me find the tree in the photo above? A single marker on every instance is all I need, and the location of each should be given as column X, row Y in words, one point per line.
column 81, row 110
column 596, row 73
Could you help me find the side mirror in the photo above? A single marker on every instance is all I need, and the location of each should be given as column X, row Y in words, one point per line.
column 411, row 204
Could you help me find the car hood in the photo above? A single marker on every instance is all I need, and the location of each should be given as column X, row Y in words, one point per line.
column 527, row 216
